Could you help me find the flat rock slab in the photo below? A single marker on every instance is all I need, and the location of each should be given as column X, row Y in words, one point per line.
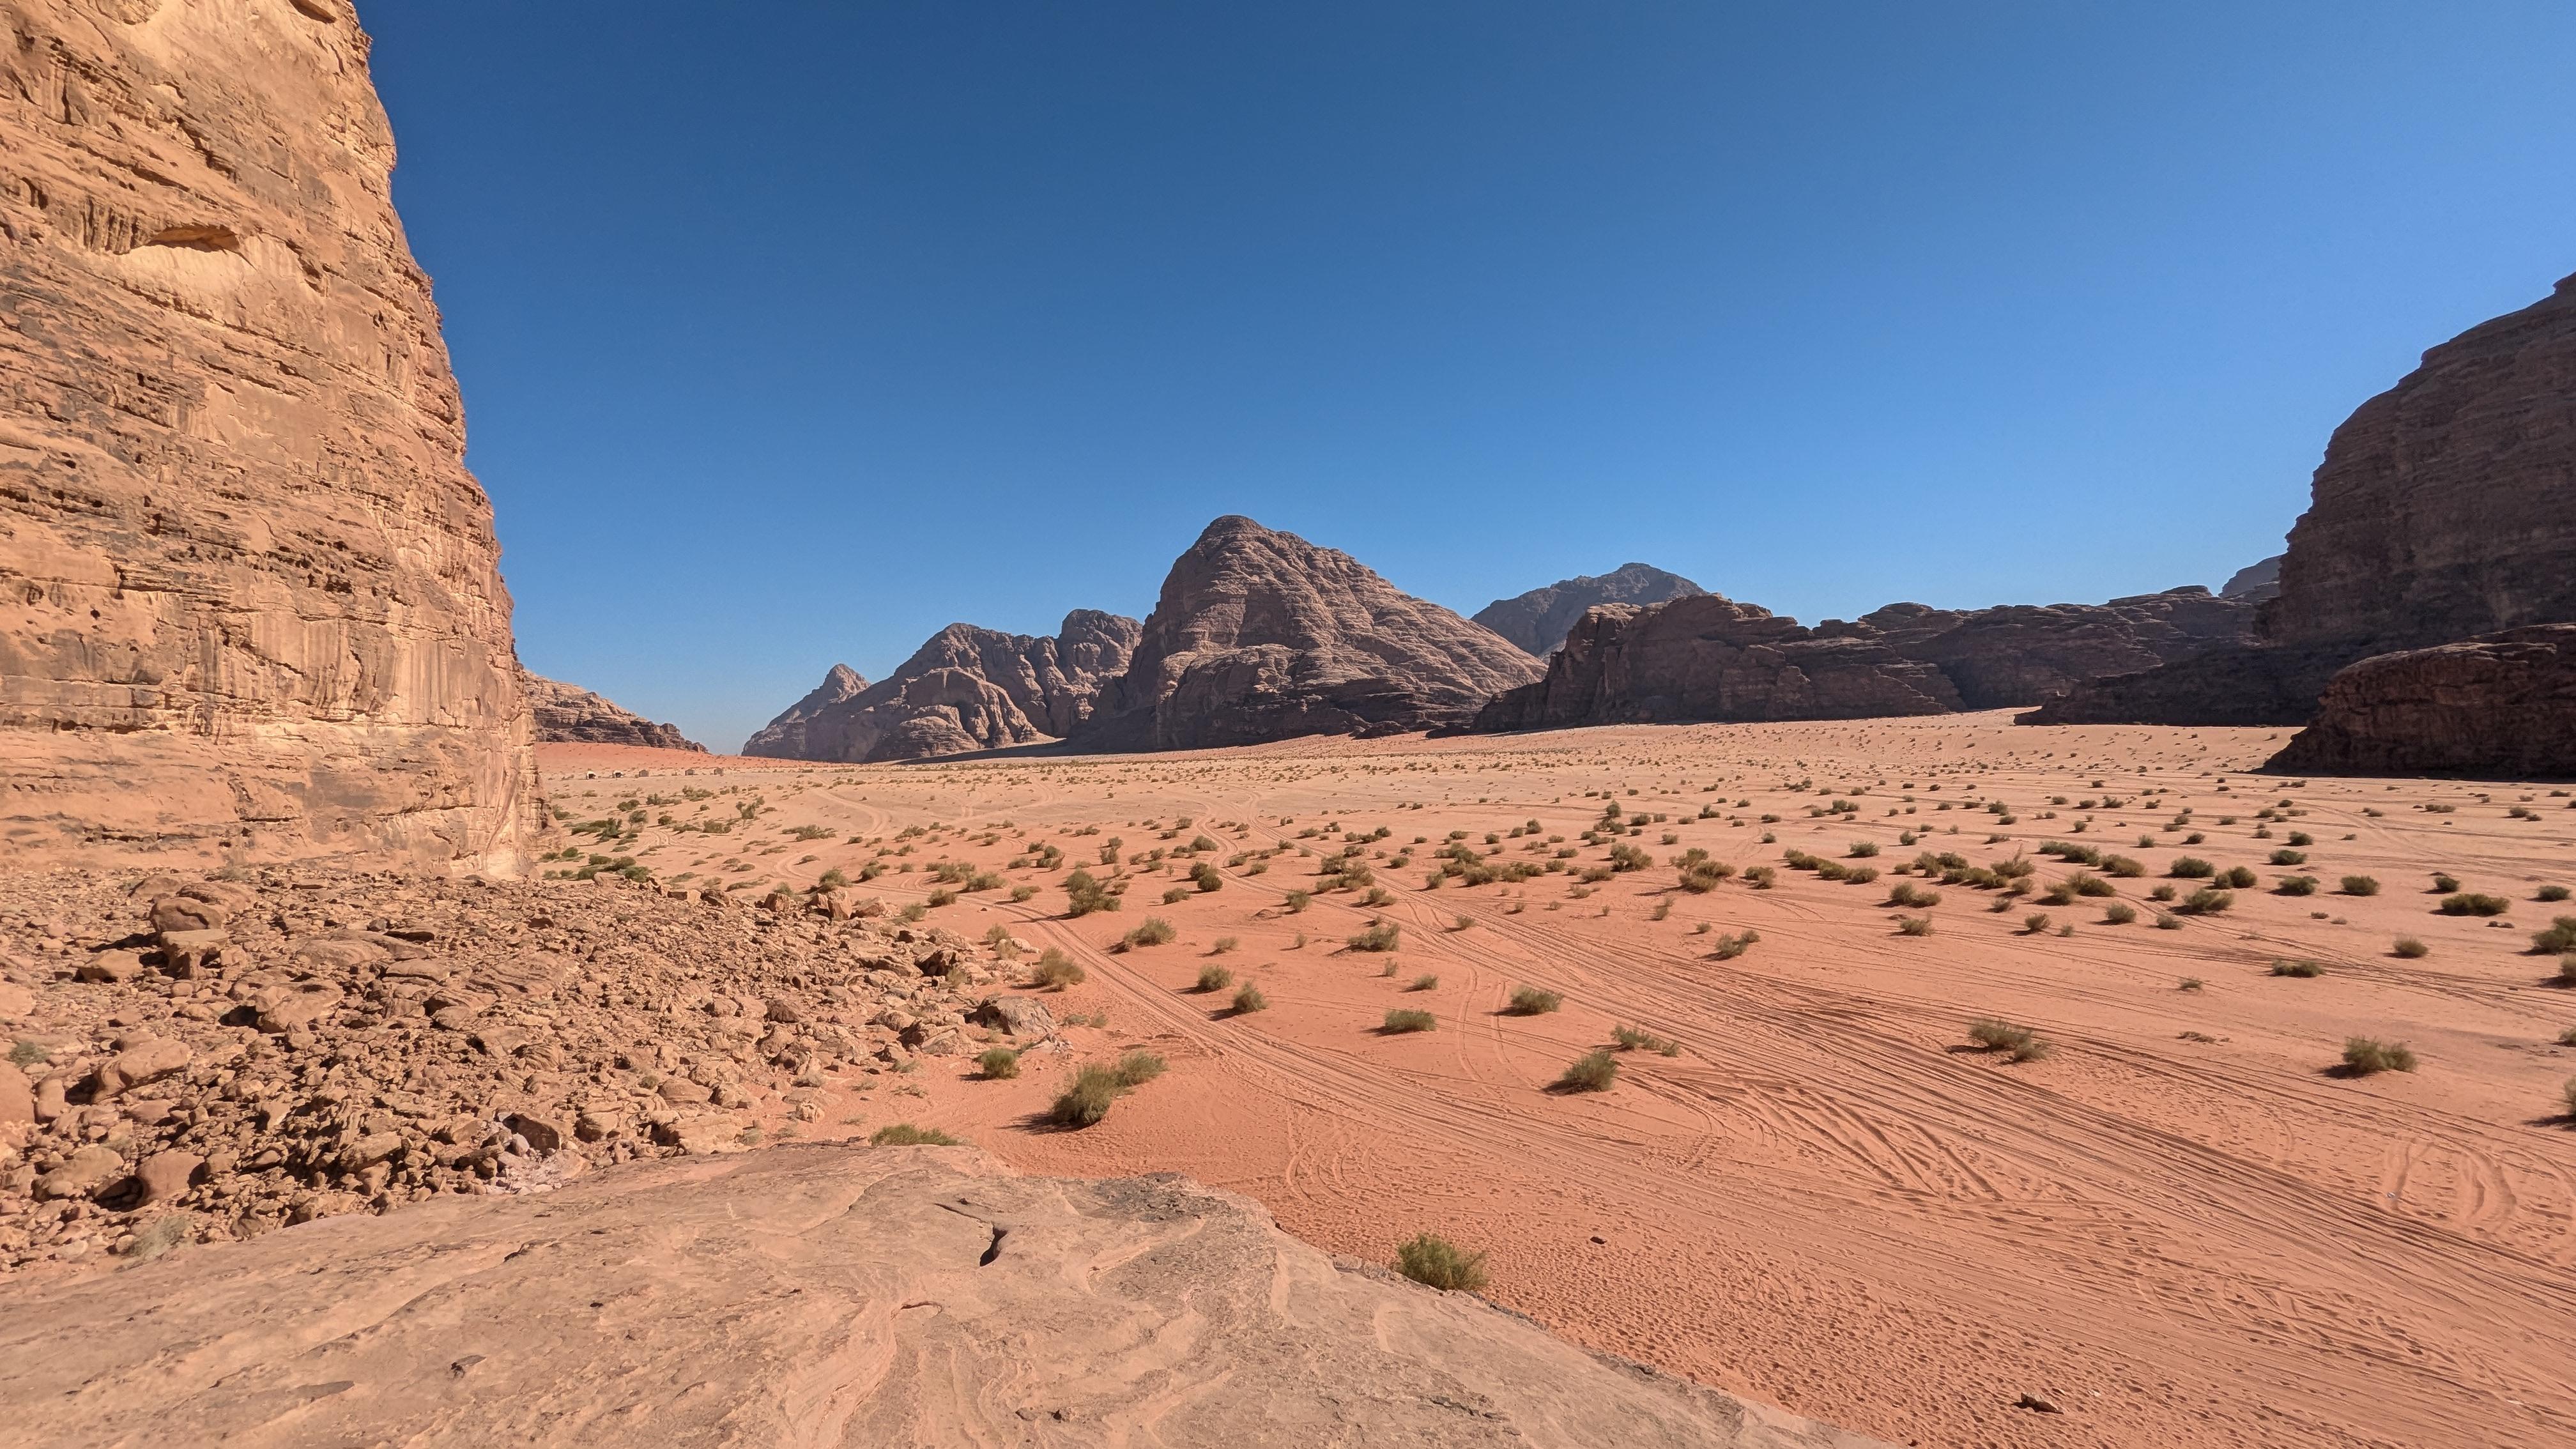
column 818, row 1295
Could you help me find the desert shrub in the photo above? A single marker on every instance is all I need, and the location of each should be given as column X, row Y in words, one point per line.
column 1055, row 970
column 1914, row 925
column 2236, row 877
column 2191, row 868
column 2123, row 866
column 2360, row 885
column 1858, row 875
column 1863, row 849
column 1152, row 931
column 1761, row 877
column 2190, row 983
column 1176, row 895
column 2560, row 937
column 1435, row 1263
column 999, row 1064
column 1204, row 876
column 1727, row 948
column 1594, row 1071
column 942, row 897
column 1249, row 1000
column 2411, row 949
column 2060, row 894
column 2206, row 901
column 1625, row 856
column 2165, row 922
column 1094, row 1089
column 2550, row 893
column 2161, row 893
column 2364, row 1055
column 2085, row 883
column 2017, row 1043
column 1531, row 1001
column 2469, row 903
column 1135, row 1069
column 1379, row 935
column 1702, row 876
column 2035, row 923
column 1906, row 894
column 2295, row 885
column 904, row 1134
column 2292, row 966
column 2567, row 1094
column 1214, row 978
column 1401, row 1021
column 1424, row 983
column 2567, row 969
column 2119, row 913
column 2289, row 857
column 1084, row 893
column 2444, row 883
column 1629, row 1039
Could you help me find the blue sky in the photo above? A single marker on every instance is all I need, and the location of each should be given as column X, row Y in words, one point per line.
column 790, row 333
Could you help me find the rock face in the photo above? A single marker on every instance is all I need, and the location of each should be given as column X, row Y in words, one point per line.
column 570, row 714
column 1539, row 620
column 253, row 596
column 2255, row 582
column 840, row 1296
column 1710, row 658
column 1260, row 635
column 2501, row 705
column 965, row 689
column 2445, row 508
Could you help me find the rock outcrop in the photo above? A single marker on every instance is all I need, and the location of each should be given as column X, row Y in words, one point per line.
column 1711, row 658
column 1539, row 620
column 1260, row 635
column 2445, row 508
column 2500, row 705
column 825, row 1295
column 964, row 689
column 2256, row 582
column 253, row 599
column 570, row 714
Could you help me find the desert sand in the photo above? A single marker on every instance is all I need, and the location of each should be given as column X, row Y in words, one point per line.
column 2185, row 1225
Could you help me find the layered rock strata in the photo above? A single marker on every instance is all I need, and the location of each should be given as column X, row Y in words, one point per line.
column 1539, row 620
column 1259, row 635
column 2445, row 508
column 964, row 689
column 569, row 714
column 249, row 596
column 2500, row 705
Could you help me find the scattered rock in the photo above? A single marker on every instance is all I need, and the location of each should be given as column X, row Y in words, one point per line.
column 84, row 1171
column 166, row 1176
column 1021, row 1016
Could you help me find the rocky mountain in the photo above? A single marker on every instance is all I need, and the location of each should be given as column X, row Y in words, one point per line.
column 922, row 1296
column 2255, row 582
column 254, row 598
column 2500, row 705
column 1711, row 658
column 2445, row 508
column 570, row 714
column 1539, row 620
column 1260, row 635
column 964, row 689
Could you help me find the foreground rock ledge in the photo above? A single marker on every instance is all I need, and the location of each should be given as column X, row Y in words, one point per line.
column 818, row 1295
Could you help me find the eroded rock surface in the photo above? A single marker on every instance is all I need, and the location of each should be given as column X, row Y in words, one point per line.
column 2501, row 705
column 1259, row 635
column 823, row 1296
column 964, row 689
column 2445, row 508
column 570, row 714
column 1539, row 620
column 252, row 596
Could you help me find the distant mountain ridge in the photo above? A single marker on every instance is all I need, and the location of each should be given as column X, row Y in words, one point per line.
column 1539, row 620
column 570, row 714
column 966, row 688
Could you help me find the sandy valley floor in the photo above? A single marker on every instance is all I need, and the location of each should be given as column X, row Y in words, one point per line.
column 2183, row 1225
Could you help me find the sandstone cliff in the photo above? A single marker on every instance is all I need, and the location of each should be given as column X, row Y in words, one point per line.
column 2445, row 508
column 1260, row 635
column 253, row 599
column 964, row 689
column 1539, row 620
column 568, row 713
column 1710, row 658
column 2500, row 705
column 2255, row 582
column 825, row 1296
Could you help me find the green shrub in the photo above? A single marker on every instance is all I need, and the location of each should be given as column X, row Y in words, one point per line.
column 1095, row 1088
column 2289, row 966
column 1761, row 877
column 2360, row 885
column 1531, row 1001
column 2017, row 1043
column 999, row 1064
column 1084, row 894
column 2236, row 877
column 2550, row 893
column 1629, row 1039
column 1594, row 1071
column 2295, row 885
column 2161, row 893
column 2035, row 923
column 2560, row 937
column 1727, row 948
column 904, row 1134
column 1424, row 983
column 2119, row 913
column 1863, row 849
column 1914, row 925
column 1214, row 978
column 1055, row 970
column 1152, row 931
column 2289, row 857
column 2206, row 902
column 2411, row 949
column 1400, row 1021
column 2364, row 1055
column 2444, row 884
column 2192, row 868
column 1137, row 1068
column 1249, row 1000
column 1433, row 1262
column 1379, row 935
column 2085, row 883
column 2466, row 903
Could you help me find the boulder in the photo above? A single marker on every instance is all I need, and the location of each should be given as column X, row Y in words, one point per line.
column 166, row 1176
column 141, row 1060
column 84, row 1172
column 1021, row 1016
column 2501, row 705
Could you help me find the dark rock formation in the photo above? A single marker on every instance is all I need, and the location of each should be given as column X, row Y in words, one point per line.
column 2256, row 582
column 1539, row 620
column 1260, row 635
column 2445, row 508
column 1710, row 658
column 254, row 597
column 2500, row 705
column 570, row 714
column 965, row 689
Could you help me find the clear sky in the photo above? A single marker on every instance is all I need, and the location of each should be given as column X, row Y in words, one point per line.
column 792, row 332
